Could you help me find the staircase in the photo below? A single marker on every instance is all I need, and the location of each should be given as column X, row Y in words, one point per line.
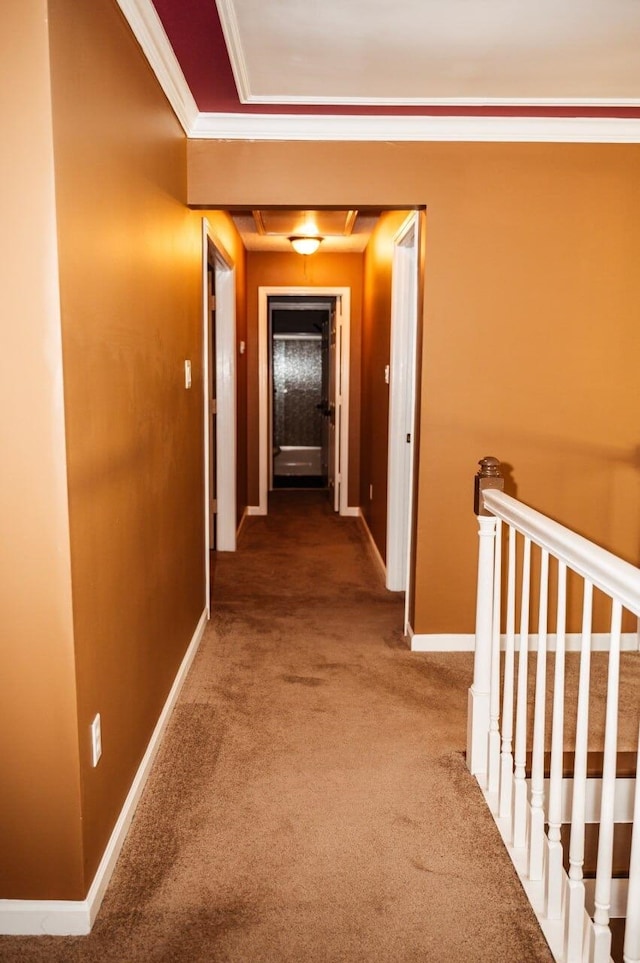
column 623, row 824
column 565, row 806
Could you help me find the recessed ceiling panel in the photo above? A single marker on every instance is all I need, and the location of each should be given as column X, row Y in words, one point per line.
column 288, row 222
column 343, row 232
column 433, row 51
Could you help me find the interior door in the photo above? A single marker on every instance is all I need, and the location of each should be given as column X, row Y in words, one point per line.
column 402, row 394
column 213, row 406
column 333, row 468
column 323, row 407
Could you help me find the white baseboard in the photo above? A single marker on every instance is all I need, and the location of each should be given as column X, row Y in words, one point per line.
column 350, row 510
column 41, row 917
column 441, row 643
column 599, row 642
column 466, row 643
column 374, row 547
column 76, row 917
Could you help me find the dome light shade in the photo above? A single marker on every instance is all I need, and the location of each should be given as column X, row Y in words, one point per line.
column 305, row 245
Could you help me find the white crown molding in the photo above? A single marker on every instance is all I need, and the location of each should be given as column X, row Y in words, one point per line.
column 308, row 127
column 150, row 34
column 315, row 100
column 233, row 41
column 147, row 28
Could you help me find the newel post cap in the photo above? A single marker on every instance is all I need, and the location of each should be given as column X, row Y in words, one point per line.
column 489, row 475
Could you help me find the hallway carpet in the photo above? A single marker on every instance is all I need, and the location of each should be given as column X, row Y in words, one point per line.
column 310, row 802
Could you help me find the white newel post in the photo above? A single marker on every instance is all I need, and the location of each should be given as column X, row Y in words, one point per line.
column 478, row 715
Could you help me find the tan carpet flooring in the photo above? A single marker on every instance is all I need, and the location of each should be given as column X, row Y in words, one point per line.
column 310, row 802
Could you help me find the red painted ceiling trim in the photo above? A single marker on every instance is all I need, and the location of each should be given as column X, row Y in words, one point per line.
column 194, row 30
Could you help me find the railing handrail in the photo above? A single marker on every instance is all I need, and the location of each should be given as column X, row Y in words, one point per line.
column 528, row 811
column 607, row 572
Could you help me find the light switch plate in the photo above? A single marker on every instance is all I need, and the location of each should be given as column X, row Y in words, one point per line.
column 96, row 740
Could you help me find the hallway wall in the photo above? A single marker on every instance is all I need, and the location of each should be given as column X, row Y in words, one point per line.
column 40, row 827
column 531, row 333
column 130, row 282
column 130, row 303
column 320, row 270
column 101, row 499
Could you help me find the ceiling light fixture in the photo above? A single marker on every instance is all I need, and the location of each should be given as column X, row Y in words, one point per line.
column 303, row 244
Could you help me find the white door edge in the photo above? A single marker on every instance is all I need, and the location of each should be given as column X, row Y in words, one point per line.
column 343, row 317
column 402, row 395
column 205, row 392
column 225, row 375
column 343, row 322
column 226, row 406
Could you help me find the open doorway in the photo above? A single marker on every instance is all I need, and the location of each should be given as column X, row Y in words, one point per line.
column 302, row 415
column 304, row 391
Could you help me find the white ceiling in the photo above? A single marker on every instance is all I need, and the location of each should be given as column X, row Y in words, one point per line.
column 434, row 51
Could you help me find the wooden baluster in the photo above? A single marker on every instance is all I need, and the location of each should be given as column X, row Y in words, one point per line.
column 600, row 934
column 554, row 873
column 632, row 926
column 574, row 895
column 489, row 476
column 493, row 780
column 506, row 758
column 536, row 816
column 520, row 806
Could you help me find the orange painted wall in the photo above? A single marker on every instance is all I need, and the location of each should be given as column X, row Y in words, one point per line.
column 531, row 324
column 40, row 830
column 101, row 499
column 131, row 303
column 321, row 270
column 376, row 355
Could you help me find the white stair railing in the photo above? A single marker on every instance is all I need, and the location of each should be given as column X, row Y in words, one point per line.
column 600, row 933
column 529, row 808
column 506, row 756
column 519, row 791
column 553, row 847
column 536, row 811
column 632, row 930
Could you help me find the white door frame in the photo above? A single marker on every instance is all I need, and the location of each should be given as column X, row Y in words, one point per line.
column 343, row 321
column 405, row 288
column 225, row 375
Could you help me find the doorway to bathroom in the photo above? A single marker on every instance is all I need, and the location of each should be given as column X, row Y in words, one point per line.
column 304, row 374
column 302, row 347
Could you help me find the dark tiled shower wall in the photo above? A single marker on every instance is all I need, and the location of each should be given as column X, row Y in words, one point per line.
column 297, row 384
